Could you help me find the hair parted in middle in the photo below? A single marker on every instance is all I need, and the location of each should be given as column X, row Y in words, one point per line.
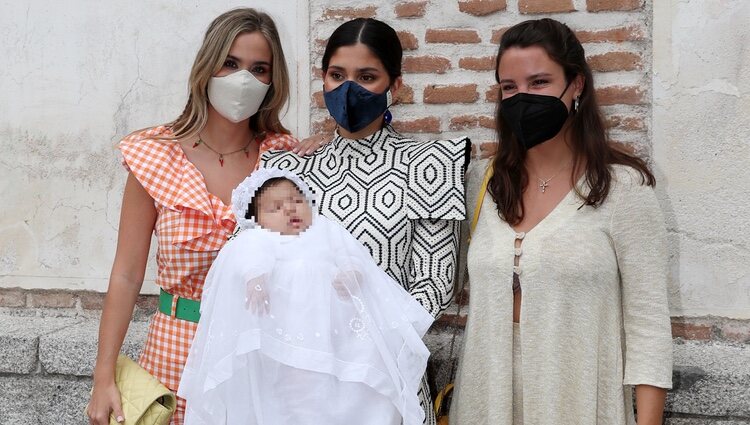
column 378, row 36
column 589, row 141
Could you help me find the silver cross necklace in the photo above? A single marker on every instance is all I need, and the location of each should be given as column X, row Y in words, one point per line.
column 544, row 183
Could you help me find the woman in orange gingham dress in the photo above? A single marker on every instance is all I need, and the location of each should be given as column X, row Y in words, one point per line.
column 179, row 186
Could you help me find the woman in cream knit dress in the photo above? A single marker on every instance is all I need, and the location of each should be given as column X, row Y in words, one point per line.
column 568, row 264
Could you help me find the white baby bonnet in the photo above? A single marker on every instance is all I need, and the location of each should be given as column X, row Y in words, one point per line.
column 245, row 192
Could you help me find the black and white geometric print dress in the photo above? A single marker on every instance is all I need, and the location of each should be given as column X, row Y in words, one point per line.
column 403, row 199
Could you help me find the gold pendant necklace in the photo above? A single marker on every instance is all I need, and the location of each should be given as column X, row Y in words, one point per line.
column 223, row 154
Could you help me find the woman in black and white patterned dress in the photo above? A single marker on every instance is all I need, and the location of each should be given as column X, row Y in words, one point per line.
column 403, row 199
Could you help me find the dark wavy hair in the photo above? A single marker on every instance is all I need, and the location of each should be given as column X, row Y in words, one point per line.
column 589, row 140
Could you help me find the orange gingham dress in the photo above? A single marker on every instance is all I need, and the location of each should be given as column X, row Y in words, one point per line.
column 191, row 227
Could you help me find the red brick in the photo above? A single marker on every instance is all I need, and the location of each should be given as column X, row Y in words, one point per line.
column 452, row 36
column 691, row 331
column 412, row 9
column 326, row 126
column 426, row 64
column 486, row 63
column 486, row 121
column 421, row 125
column 492, row 94
column 91, row 300
column 616, row 35
column 405, row 95
column 319, row 46
column 347, row 13
column 487, row 149
column 615, row 61
column 545, row 6
column 462, row 298
column 454, row 93
column 51, row 299
column 498, row 34
column 463, row 122
column 450, row 319
column 12, row 297
column 317, row 99
column 481, row 7
column 610, row 5
column 408, row 40
column 625, row 123
column 473, row 150
column 619, row 95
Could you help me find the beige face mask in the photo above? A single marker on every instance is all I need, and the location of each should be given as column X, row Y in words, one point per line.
column 236, row 96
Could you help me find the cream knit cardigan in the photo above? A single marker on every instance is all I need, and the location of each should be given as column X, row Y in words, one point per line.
column 594, row 316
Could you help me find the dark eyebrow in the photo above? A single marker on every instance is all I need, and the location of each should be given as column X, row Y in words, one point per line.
column 530, row 78
column 369, row 69
column 541, row 74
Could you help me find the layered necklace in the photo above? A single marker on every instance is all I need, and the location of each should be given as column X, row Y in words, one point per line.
column 245, row 149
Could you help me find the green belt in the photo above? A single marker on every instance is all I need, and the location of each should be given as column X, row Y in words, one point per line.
column 185, row 309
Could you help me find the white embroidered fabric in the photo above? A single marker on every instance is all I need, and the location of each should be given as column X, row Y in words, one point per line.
column 304, row 330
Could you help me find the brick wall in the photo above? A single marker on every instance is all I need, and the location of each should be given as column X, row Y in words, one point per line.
column 449, row 49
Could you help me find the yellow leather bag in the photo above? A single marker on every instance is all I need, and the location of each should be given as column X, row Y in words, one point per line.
column 442, row 395
column 145, row 400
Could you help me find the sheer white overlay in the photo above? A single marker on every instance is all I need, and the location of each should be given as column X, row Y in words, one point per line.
column 304, row 330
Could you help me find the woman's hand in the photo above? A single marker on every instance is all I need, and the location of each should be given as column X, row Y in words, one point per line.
column 346, row 284
column 342, row 291
column 256, row 298
column 105, row 399
column 311, row 144
column 137, row 219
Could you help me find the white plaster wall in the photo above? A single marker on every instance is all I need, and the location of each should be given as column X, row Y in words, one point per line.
column 76, row 76
column 701, row 140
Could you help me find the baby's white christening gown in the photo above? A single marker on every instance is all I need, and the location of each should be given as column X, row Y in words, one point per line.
column 329, row 338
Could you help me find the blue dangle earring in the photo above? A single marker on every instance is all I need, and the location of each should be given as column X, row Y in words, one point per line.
column 388, row 117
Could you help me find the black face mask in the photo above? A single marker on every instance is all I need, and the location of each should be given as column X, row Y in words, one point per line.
column 534, row 118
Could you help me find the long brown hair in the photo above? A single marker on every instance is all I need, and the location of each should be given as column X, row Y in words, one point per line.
column 209, row 60
column 589, row 141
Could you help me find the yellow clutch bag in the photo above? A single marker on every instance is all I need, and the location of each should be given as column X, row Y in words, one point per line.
column 145, row 400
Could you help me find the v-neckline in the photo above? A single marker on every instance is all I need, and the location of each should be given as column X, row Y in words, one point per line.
column 224, row 209
column 554, row 211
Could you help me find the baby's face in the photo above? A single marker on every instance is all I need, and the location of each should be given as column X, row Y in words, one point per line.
column 282, row 208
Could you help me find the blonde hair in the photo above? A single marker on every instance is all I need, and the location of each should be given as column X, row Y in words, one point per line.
column 211, row 57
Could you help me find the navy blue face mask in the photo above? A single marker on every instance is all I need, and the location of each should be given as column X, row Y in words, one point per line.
column 354, row 107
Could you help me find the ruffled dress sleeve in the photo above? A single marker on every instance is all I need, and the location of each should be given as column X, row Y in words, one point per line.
column 188, row 216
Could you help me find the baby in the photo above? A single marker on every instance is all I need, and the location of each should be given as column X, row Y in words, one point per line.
column 298, row 323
